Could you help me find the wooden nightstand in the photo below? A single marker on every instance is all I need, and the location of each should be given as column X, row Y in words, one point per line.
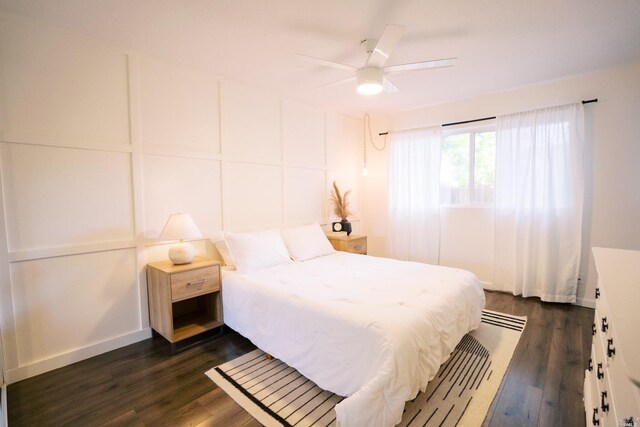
column 354, row 243
column 184, row 300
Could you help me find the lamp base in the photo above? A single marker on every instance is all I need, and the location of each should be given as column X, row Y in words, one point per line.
column 181, row 253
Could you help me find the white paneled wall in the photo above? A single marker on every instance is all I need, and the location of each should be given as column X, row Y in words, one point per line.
column 98, row 146
column 179, row 109
column 253, row 196
column 70, row 289
column 301, row 185
column 179, row 184
column 304, row 134
column 251, row 123
column 51, row 199
column 72, row 300
column 61, row 89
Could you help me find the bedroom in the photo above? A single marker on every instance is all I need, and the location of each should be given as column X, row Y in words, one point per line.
column 112, row 121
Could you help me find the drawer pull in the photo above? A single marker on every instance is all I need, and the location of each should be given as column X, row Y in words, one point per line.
column 197, row 282
column 603, row 405
column 594, row 419
column 590, row 365
column 605, row 325
column 597, row 293
column 610, row 348
column 600, row 372
column 593, row 329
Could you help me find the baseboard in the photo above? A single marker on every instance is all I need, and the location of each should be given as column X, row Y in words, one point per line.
column 486, row 285
column 585, row 302
column 58, row 361
column 4, row 421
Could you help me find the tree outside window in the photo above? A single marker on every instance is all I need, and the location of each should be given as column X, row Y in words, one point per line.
column 467, row 169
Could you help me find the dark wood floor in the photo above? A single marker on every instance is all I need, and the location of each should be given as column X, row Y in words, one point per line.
column 143, row 384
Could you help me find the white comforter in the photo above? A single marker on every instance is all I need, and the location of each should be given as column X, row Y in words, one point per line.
column 373, row 329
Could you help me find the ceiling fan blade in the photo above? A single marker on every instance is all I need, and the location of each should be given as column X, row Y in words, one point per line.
column 438, row 63
column 328, row 63
column 338, row 82
column 389, row 86
column 387, row 42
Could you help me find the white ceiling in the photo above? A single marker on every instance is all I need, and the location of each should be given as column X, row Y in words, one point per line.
column 500, row 44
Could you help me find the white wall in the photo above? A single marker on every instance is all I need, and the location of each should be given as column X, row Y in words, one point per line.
column 98, row 146
column 612, row 204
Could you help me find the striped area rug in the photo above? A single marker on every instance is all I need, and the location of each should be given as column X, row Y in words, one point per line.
column 459, row 395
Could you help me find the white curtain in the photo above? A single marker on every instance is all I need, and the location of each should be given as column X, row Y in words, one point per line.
column 539, row 198
column 414, row 195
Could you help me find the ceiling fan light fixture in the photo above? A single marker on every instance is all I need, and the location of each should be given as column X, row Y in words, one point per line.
column 370, row 80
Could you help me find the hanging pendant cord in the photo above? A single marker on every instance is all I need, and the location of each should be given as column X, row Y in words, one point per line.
column 367, row 128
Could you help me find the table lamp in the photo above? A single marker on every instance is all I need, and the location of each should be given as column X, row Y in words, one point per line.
column 180, row 226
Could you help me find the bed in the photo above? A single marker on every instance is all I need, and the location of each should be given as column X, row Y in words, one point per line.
column 373, row 329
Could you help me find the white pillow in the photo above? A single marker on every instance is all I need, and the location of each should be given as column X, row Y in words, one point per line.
column 307, row 242
column 253, row 251
column 223, row 248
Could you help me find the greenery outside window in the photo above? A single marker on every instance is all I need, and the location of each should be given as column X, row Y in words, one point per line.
column 468, row 167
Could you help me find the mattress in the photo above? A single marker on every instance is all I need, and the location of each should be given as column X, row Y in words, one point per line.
column 375, row 330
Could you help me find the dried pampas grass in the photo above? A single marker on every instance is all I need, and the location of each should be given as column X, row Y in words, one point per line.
column 340, row 202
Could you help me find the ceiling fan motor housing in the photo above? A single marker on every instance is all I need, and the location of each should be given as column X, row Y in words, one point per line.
column 370, row 80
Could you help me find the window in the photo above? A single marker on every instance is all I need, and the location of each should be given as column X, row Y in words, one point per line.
column 468, row 167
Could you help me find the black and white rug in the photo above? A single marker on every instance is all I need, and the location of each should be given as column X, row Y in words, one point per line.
column 460, row 394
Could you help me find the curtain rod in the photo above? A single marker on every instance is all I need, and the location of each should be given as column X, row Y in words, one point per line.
column 588, row 101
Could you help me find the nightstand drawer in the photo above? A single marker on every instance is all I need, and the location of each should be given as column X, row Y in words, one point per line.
column 195, row 282
column 354, row 243
column 358, row 246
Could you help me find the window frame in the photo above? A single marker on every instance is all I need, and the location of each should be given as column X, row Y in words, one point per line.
column 472, row 130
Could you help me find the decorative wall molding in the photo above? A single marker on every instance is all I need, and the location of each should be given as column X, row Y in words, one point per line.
column 169, row 152
column 133, row 80
column 155, row 114
column 63, row 142
column 42, row 253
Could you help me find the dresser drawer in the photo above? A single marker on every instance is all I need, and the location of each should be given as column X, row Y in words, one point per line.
column 615, row 343
column 606, row 397
column 195, row 282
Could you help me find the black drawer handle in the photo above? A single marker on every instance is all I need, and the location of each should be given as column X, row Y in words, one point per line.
column 593, row 329
column 597, row 293
column 603, row 405
column 600, row 372
column 594, row 420
column 610, row 348
column 590, row 365
column 605, row 325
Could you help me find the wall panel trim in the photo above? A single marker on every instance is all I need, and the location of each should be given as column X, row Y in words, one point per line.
column 8, row 349
column 172, row 152
column 41, row 253
column 137, row 190
column 63, row 142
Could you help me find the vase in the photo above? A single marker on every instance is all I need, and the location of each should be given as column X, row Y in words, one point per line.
column 346, row 226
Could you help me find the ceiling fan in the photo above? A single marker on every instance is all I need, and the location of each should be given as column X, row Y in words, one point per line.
column 372, row 77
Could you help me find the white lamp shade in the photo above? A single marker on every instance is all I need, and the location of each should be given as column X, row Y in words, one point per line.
column 180, row 226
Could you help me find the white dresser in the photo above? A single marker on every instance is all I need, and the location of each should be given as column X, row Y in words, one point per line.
column 612, row 382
